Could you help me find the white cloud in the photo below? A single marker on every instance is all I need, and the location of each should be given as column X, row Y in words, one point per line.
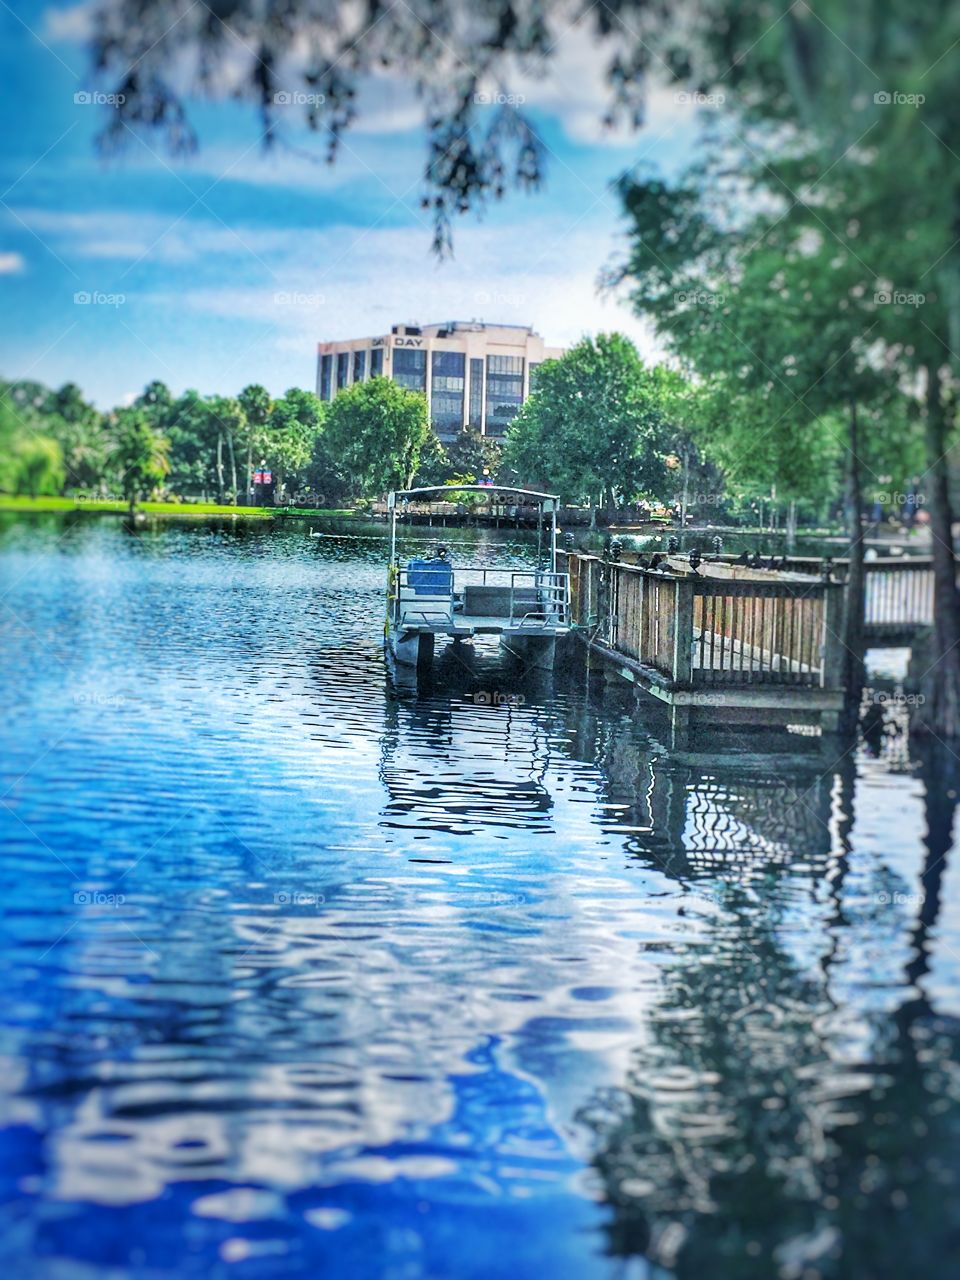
column 127, row 237
column 345, row 283
column 573, row 89
column 11, row 264
column 75, row 23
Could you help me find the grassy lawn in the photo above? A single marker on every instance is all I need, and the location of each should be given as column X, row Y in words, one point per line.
column 9, row 502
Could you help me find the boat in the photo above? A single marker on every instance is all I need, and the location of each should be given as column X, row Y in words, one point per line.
column 429, row 596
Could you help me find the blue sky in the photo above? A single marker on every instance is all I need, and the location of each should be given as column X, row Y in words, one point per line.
column 229, row 267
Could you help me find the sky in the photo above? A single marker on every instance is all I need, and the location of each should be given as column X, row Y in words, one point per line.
column 230, row 266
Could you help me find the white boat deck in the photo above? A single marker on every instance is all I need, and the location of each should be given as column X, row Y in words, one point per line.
column 461, row 624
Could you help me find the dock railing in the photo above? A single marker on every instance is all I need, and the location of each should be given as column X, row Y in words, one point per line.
column 899, row 595
column 720, row 627
column 898, row 591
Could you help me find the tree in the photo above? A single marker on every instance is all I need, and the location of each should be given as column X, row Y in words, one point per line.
column 36, row 464
column 66, row 418
column 472, row 453
column 228, row 426
column 256, row 404
column 157, row 399
column 139, row 454
column 593, row 429
column 186, row 425
column 288, row 439
column 434, row 466
column 377, row 430
column 780, row 323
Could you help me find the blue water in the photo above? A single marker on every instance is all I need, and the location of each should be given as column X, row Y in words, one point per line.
column 309, row 973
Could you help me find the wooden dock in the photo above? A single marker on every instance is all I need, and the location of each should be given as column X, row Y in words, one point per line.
column 898, row 591
column 725, row 644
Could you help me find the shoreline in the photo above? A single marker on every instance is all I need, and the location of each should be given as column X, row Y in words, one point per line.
column 162, row 510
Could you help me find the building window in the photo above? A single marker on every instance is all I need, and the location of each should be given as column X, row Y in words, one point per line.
column 446, row 393
column 504, row 392
column 533, row 377
column 376, row 362
column 343, row 369
column 476, row 393
column 359, row 365
column 326, row 376
column 410, row 369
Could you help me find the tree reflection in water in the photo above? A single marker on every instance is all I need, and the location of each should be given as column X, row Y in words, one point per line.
column 749, row 1139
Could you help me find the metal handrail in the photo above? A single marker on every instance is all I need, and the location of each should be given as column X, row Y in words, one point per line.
column 553, row 594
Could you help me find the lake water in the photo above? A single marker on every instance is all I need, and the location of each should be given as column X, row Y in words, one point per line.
column 306, row 974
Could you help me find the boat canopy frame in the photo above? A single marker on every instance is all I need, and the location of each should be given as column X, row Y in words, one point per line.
column 545, row 502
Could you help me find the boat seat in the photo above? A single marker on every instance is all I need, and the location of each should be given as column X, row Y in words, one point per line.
column 430, row 577
column 483, row 600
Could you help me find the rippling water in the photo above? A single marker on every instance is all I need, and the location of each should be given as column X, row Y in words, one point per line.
column 309, row 974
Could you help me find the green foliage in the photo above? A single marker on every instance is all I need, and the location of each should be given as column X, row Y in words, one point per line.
column 36, row 465
column 378, row 430
column 288, row 438
column 434, row 464
column 472, row 453
column 594, row 429
column 772, row 319
column 65, row 417
column 139, row 454
column 256, row 404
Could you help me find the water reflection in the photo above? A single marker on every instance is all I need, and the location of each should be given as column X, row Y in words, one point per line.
column 411, row 980
column 466, row 748
column 768, row 1128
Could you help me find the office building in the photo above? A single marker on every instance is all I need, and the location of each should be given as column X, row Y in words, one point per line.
column 473, row 374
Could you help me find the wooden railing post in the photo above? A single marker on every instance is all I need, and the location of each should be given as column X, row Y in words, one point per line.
column 683, row 631
column 832, row 648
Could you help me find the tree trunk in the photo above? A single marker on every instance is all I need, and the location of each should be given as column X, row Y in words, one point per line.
column 231, row 454
column 792, row 525
column 220, row 467
column 940, row 712
column 248, row 479
column 854, row 595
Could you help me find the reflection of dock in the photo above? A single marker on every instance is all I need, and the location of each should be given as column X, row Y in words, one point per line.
column 695, row 816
